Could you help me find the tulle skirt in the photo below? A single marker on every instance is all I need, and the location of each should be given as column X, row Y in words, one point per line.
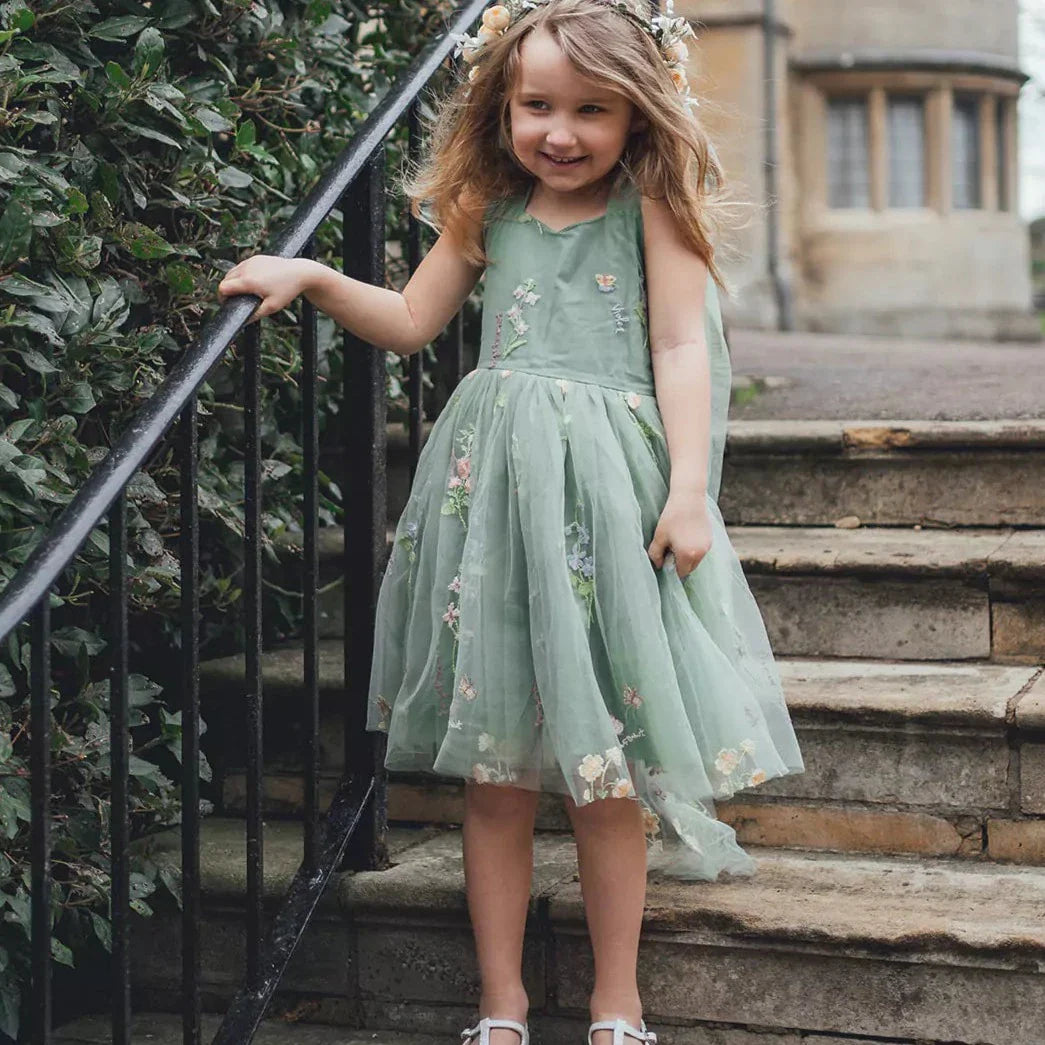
column 525, row 638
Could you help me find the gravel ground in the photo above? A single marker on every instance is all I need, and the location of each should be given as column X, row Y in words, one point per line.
column 840, row 377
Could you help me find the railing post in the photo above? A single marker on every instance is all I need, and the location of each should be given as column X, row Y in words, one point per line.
column 364, row 413
column 119, row 762
column 40, row 798
column 190, row 726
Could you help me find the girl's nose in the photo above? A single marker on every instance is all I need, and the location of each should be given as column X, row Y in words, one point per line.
column 561, row 137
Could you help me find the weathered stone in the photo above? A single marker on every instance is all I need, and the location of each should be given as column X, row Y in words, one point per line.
column 894, row 767
column 413, row 963
column 850, row 829
column 165, row 1029
column 970, row 487
column 881, row 692
column 1022, row 841
column 431, row 876
column 1030, row 709
column 1018, row 630
column 873, row 617
column 1032, row 778
column 682, row 978
column 821, row 549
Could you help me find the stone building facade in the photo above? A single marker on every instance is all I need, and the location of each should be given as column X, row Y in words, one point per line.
column 877, row 141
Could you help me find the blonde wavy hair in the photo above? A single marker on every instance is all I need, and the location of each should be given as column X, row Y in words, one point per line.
column 469, row 161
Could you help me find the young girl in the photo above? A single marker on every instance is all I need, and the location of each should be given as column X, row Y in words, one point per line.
column 543, row 622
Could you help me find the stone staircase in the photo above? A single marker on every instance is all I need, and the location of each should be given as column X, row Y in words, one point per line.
column 900, row 895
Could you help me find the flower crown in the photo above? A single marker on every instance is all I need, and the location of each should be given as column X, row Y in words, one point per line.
column 667, row 32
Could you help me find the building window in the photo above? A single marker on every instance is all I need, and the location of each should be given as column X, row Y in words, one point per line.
column 906, row 151
column 1000, row 129
column 848, row 170
column 965, row 153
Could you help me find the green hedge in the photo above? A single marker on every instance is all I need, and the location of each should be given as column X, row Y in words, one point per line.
column 143, row 148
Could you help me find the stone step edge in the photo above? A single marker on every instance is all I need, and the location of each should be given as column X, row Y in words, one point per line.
column 907, row 552
column 1007, row 696
column 166, row 1029
column 425, row 881
column 815, row 825
column 840, row 437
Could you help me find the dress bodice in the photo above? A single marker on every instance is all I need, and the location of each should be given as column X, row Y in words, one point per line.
column 571, row 302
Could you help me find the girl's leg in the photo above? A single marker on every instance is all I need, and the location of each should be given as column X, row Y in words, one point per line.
column 498, row 868
column 611, row 855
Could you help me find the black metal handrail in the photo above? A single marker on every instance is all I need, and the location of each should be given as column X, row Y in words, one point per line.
column 353, row 828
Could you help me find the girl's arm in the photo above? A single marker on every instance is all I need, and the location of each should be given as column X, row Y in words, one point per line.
column 402, row 322
column 676, row 277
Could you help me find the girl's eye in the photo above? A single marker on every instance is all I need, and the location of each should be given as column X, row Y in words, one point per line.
column 535, row 104
column 591, row 108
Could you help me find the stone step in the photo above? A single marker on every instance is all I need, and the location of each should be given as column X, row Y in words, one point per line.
column 898, row 949
column 940, row 759
column 160, row 1028
column 911, row 593
column 886, row 473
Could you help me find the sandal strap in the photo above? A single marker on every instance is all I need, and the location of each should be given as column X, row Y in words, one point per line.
column 620, row 1027
column 488, row 1023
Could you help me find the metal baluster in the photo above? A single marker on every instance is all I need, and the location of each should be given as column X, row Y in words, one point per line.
column 190, row 726
column 252, row 594
column 119, row 748
column 364, row 415
column 415, row 364
column 310, row 572
column 40, row 798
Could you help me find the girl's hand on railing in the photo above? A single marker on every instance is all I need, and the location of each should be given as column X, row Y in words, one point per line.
column 277, row 281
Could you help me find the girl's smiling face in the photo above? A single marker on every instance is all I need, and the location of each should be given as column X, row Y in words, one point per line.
column 567, row 131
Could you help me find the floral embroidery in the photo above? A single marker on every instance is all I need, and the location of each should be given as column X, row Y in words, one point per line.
column 467, row 688
column 649, row 433
column 650, row 822
column 525, row 297
column 495, row 349
column 408, row 540
column 733, row 776
column 564, row 385
column 581, row 564
column 607, row 282
column 595, row 769
column 498, row 752
column 459, row 485
column 452, row 618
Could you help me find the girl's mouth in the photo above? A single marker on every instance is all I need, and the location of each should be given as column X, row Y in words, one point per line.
column 562, row 161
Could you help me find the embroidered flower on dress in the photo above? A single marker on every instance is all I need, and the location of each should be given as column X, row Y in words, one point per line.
column 591, row 767
column 732, row 776
column 485, row 742
column 634, row 400
column 459, row 483
column 581, row 563
column 525, row 297
column 618, row 726
column 606, row 282
column 594, row 769
column 632, row 698
column 467, row 689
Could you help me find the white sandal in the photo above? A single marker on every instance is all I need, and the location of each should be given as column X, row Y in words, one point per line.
column 486, row 1024
column 620, row 1027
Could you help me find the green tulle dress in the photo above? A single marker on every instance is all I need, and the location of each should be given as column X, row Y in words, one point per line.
column 523, row 635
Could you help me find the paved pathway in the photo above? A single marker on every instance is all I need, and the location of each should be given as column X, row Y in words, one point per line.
column 836, row 376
